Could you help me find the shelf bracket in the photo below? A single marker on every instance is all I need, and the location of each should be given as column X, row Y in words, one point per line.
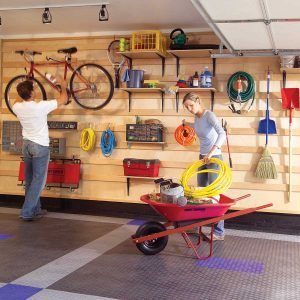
column 163, row 62
column 129, row 100
column 212, row 98
column 177, row 101
column 214, row 66
column 177, row 63
column 128, row 185
column 162, row 100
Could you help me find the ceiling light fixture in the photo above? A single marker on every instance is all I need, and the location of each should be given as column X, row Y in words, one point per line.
column 103, row 13
column 46, row 16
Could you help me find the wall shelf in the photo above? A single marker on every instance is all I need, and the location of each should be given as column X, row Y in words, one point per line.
column 128, row 178
column 144, row 90
column 196, row 90
column 192, row 53
column 130, row 55
column 155, row 143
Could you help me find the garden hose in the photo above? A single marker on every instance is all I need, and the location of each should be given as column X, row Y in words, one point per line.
column 87, row 139
column 219, row 186
column 240, row 96
column 107, row 142
column 185, row 135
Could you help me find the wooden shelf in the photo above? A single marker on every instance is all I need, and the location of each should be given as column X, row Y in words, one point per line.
column 290, row 70
column 128, row 178
column 130, row 55
column 137, row 142
column 199, row 90
column 191, row 53
column 144, row 90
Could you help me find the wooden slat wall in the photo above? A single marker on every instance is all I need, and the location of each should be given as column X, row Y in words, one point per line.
column 102, row 178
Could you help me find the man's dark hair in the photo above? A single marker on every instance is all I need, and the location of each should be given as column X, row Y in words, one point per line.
column 24, row 89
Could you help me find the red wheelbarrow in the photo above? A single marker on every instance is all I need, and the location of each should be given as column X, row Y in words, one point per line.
column 152, row 237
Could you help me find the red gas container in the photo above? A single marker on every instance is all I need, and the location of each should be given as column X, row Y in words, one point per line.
column 141, row 167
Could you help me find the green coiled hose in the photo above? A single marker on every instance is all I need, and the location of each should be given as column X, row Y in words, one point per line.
column 246, row 95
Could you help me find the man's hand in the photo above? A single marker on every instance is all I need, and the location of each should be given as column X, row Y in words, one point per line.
column 63, row 98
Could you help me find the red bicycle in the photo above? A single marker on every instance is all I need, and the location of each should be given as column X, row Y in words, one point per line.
column 91, row 86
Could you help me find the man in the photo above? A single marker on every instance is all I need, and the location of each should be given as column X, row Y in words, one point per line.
column 32, row 114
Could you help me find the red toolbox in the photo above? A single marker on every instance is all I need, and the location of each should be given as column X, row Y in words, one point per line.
column 141, row 167
column 65, row 173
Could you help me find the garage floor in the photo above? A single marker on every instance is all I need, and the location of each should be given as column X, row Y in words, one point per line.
column 65, row 256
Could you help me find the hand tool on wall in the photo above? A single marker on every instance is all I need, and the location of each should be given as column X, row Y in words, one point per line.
column 290, row 101
column 267, row 125
column 224, row 125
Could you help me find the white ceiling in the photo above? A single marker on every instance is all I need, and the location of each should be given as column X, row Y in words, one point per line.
column 254, row 24
column 125, row 16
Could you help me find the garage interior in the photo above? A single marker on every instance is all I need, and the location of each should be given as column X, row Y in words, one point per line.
column 86, row 246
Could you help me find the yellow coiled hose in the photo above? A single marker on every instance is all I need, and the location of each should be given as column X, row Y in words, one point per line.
column 87, row 139
column 219, row 186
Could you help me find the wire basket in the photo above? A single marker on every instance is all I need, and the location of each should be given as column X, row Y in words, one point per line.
column 149, row 40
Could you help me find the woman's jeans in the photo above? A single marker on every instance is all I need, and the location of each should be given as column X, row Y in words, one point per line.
column 36, row 159
column 206, row 179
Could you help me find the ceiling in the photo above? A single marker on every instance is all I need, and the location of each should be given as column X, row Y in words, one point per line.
column 254, row 25
column 20, row 20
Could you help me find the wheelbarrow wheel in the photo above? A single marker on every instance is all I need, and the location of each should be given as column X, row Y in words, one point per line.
column 154, row 246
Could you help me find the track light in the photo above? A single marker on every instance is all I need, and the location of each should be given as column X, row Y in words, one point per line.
column 103, row 13
column 46, row 16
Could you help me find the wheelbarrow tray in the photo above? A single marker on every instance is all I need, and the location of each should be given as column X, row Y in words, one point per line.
column 175, row 213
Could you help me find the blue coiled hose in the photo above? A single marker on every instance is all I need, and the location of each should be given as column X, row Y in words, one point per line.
column 107, row 142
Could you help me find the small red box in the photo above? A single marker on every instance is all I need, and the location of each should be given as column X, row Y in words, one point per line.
column 141, row 167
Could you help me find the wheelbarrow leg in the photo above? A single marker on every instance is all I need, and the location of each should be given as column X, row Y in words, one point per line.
column 196, row 246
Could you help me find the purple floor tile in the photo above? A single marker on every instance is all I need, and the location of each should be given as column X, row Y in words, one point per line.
column 136, row 222
column 17, row 292
column 4, row 236
column 232, row 265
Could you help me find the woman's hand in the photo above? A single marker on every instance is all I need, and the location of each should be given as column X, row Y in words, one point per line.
column 207, row 158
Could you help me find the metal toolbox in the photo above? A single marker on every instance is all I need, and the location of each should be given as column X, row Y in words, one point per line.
column 141, row 167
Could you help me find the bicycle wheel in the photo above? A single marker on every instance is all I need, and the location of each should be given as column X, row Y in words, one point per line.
column 91, row 86
column 11, row 95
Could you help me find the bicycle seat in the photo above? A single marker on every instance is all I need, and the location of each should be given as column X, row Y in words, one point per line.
column 68, row 50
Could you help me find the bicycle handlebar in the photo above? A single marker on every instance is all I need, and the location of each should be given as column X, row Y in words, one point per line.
column 24, row 52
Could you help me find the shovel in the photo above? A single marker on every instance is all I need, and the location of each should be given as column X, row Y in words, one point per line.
column 290, row 100
column 266, row 125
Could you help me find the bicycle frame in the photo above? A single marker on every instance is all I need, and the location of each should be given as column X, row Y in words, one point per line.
column 65, row 63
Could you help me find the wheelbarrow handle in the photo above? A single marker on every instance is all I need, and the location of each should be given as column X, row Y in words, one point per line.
column 242, row 197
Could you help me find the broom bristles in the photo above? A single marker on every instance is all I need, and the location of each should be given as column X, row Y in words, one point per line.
column 266, row 168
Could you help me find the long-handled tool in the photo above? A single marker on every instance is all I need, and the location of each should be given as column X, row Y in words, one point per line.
column 290, row 101
column 224, row 125
column 267, row 124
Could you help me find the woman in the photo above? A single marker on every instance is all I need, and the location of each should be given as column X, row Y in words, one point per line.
column 211, row 136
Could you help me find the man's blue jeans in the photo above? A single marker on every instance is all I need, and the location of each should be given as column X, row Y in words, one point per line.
column 206, row 179
column 36, row 159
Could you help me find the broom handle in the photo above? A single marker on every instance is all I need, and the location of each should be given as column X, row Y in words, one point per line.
column 267, row 111
column 290, row 156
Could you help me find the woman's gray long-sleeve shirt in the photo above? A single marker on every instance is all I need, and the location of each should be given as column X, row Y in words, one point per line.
column 210, row 132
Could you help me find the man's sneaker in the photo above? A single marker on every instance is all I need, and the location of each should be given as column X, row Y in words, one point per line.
column 41, row 213
column 217, row 237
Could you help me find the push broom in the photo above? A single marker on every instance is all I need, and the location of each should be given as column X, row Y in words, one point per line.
column 266, row 168
column 290, row 101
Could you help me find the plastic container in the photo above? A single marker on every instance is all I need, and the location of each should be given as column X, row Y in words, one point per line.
column 51, row 78
column 206, row 78
column 135, row 78
column 149, row 40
